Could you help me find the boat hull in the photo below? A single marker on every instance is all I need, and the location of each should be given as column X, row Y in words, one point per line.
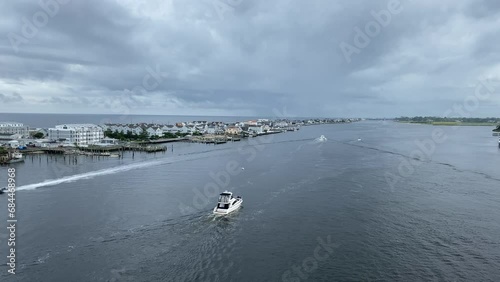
column 12, row 161
column 232, row 208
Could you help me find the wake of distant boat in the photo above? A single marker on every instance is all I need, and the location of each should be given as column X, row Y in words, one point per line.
column 89, row 175
column 322, row 138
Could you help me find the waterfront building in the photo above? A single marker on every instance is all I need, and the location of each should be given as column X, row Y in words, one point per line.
column 11, row 128
column 154, row 131
column 233, row 130
column 106, row 141
column 81, row 134
column 259, row 129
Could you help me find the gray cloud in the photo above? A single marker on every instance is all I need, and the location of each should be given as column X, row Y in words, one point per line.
column 260, row 55
column 13, row 98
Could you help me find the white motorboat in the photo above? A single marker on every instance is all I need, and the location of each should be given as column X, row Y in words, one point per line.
column 322, row 138
column 227, row 203
column 17, row 155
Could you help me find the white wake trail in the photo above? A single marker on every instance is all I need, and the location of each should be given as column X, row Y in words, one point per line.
column 89, row 175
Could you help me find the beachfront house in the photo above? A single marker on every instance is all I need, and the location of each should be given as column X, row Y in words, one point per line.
column 169, row 129
column 182, row 128
column 258, row 129
column 154, row 131
column 233, row 130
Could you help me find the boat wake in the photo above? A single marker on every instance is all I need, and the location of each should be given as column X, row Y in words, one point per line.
column 89, row 175
column 320, row 139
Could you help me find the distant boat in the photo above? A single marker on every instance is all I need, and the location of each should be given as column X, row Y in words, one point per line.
column 322, row 138
column 17, row 155
column 14, row 157
column 227, row 204
column 359, row 139
column 13, row 161
column 3, row 190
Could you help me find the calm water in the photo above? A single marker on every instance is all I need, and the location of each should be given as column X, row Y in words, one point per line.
column 149, row 218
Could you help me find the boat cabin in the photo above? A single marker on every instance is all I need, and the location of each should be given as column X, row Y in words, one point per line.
column 225, row 200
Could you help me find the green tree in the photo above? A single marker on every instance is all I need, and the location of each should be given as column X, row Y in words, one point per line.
column 169, row 135
column 144, row 134
column 129, row 134
column 108, row 133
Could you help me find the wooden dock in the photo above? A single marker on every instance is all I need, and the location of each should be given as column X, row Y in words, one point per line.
column 209, row 139
column 96, row 150
column 148, row 149
column 164, row 140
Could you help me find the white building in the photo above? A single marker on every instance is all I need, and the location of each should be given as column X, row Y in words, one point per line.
column 107, row 142
column 11, row 128
column 81, row 134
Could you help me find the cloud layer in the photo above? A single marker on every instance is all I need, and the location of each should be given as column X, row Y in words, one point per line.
column 247, row 57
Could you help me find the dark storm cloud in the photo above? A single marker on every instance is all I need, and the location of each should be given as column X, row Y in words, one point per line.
column 249, row 57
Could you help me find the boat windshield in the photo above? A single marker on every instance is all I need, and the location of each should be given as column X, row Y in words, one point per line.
column 224, row 198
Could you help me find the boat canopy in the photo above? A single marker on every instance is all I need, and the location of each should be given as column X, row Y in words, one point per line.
column 225, row 198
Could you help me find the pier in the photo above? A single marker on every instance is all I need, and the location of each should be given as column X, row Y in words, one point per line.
column 95, row 150
column 214, row 139
column 164, row 140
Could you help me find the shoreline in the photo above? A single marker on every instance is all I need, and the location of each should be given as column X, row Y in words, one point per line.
column 446, row 123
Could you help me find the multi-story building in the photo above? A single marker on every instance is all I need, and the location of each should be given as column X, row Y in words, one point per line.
column 81, row 134
column 11, row 128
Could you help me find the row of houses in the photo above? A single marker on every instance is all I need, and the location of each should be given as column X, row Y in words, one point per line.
column 252, row 126
column 87, row 134
column 155, row 129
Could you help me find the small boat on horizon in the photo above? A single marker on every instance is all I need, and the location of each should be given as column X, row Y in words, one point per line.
column 227, row 203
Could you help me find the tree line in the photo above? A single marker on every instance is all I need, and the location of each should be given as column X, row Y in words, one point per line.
column 424, row 119
column 143, row 136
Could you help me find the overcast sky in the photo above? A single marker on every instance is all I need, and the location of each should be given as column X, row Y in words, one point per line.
column 249, row 57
